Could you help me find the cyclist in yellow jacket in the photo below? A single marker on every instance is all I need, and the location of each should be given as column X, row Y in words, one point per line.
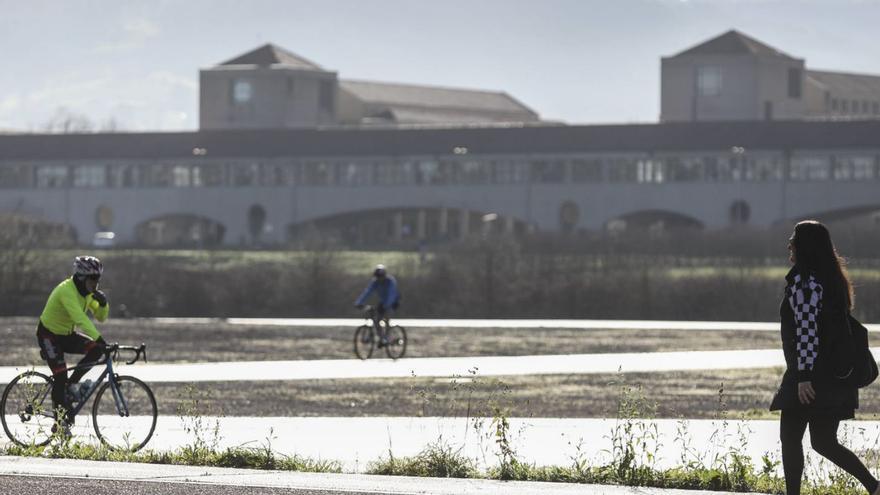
column 67, row 308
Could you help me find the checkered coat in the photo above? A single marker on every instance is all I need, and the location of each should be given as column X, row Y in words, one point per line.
column 810, row 314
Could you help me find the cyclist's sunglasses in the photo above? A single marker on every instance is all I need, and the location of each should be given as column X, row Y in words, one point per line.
column 93, row 277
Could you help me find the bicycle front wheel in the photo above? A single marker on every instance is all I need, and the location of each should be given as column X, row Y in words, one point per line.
column 396, row 347
column 364, row 341
column 125, row 415
column 27, row 411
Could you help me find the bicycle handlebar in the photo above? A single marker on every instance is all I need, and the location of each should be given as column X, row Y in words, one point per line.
column 138, row 351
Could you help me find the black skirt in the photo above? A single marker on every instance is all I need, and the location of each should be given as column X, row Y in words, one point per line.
column 833, row 400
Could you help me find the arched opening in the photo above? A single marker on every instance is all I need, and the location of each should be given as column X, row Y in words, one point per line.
column 180, row 230
column 388, row 226
column 656, row 221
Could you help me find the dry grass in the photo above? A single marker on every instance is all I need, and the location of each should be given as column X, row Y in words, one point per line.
column 747, row 393
column 225, row 342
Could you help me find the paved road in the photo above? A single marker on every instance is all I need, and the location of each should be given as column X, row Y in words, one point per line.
column 41, row 485
column 493, row 323
column 184, row 480
column 447, row 367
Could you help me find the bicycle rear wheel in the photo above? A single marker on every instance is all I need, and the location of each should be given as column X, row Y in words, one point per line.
column 26, row 409
column 364, row 341
column 396, row 347
column 125, row 418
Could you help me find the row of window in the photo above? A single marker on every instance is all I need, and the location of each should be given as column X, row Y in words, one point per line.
column 855, row 107
column 552, row 170
column 709, row 81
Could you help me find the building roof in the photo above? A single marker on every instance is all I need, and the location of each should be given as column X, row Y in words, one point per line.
column 410, row 97
column 734, row 42
column 847, row 84
column 270, row 54
column 666, row 137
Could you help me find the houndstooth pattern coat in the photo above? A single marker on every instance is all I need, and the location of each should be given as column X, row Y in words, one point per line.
column 810, row 315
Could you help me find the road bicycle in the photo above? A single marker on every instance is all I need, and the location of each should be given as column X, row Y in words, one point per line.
column 123, row 413
column 368, row 337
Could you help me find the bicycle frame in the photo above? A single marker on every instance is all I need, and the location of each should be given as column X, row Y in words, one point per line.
column 109, row 375
column 373, row 316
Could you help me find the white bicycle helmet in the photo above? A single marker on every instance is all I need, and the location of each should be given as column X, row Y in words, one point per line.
column 87, row 266
column 379, row 271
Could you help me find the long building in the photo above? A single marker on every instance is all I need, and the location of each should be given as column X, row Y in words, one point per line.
column 369, row 185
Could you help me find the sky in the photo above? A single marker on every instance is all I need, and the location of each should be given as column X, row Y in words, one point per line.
column 135, row 63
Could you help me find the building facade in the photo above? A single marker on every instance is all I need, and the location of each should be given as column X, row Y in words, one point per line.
column 736, row 77
column 369, row 186
column 272, row 88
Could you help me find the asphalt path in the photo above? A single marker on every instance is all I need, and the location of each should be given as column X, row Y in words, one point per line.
column 24, row 476
column 445, row 367
column 466, row 324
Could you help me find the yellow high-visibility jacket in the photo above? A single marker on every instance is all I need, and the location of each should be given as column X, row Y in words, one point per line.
column 67, row 309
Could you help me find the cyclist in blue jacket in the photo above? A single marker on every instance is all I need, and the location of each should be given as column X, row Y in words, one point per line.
column 385, row 287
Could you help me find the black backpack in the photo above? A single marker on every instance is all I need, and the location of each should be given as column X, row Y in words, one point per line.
column 852, row 359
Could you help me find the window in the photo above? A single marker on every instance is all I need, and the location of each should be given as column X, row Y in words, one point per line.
column 89, row 176
column 245, row 174
column 325, row 96
column 648, row 170
column 354, row 174
column 586, row 170
column 181, row 176
column 210, row 174
column 241, row 91
column 623, row 169
column 318, row 174
column 435, row 173
column 764, row 168
column 709, row 80
column 548, row 171
column 473, row 172
column 390, row 174
column 158, row 174
column 810, row 168
column 835, row 104
column 15, row 175
column 853, row 167
column 511, row 172
column 844, row 106
column 684, row 169
column 866, row 107
column 794, row 83
column 855, row 106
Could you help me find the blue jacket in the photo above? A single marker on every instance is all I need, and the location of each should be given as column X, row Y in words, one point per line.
column 386, row 290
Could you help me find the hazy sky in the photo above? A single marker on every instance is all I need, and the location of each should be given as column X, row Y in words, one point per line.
column 579, row 61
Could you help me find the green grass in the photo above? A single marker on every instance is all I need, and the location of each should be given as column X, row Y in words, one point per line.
column 232, row 457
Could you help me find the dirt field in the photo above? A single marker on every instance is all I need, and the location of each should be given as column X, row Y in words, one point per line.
column 675, row 395
column 225, row 342
column 670, row 394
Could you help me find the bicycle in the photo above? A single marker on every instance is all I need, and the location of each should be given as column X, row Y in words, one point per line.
column 365, row 336
column 125, row 420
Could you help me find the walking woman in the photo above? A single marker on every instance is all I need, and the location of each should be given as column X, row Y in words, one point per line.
column 818, row 297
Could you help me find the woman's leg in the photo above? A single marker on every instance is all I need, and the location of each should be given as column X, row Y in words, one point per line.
column 823, row 436
column 792, row 426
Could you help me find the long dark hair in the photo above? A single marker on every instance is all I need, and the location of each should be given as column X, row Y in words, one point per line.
column 814, row 252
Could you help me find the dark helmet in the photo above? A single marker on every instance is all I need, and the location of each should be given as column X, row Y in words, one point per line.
column 87, row 266
column 379, row 271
